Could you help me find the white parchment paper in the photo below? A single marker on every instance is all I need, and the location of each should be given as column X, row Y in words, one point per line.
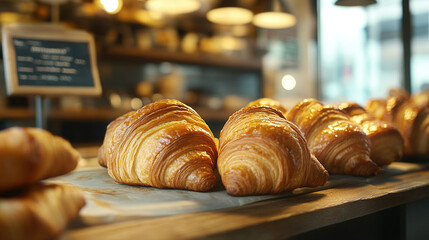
column 108, row 201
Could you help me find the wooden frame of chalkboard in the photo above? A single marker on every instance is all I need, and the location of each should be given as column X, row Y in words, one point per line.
column 48, row 59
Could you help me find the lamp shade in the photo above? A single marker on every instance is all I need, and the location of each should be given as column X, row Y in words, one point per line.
column 173, row 7
column 274, row 20
column 354, row 3
column 277, row 16
column 230, row 12
column 230, row 16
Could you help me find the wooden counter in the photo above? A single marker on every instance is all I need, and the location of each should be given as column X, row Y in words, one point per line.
column 350, row 198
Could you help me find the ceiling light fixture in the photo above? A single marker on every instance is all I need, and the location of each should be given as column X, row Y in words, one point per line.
column 354, row 3
column 276, row 17
column 230, row 13
column 110, row 6
column 173, row 7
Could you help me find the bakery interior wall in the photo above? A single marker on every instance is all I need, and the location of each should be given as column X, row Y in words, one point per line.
column 332, row 53
column 216, row 69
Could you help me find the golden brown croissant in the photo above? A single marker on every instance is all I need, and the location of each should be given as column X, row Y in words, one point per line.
column 421, row 99
column 165, row 144
column 28, row 155
column 412, row 121
column 261, row 152
column 386, row 141
column 339, row 144
column 399, row 93
column 41, row 211
column 102, row 151
column 268, row 102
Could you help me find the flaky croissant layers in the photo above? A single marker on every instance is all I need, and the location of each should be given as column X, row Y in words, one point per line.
column 339, row 144
column 261, row 152
column 165, row 144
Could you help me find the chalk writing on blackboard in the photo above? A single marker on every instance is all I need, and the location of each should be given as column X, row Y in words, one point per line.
column 52, row 63
column 49, row 59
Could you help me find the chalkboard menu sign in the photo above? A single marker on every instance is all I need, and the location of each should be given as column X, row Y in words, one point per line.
column 49, row 60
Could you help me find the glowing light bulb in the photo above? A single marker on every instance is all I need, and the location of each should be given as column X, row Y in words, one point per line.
column 111, row 6
column 288, row 82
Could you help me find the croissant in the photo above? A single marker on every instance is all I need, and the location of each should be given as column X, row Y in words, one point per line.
column 110, row 130
column 39, row 212
column 411, row 120
column 165, row 144
column 261, row 152
column 269, row 102
column 421, row 99
column 28, row 155
column 339, row 144
column 386, row 141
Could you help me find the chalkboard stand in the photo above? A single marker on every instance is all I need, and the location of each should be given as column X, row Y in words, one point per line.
column 41, row 112
column 43, row 60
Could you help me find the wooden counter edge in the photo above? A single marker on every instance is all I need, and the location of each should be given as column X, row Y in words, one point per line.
column 276, row 218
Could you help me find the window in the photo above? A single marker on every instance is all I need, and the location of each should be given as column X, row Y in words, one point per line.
column 360, row 50
column 420, row 45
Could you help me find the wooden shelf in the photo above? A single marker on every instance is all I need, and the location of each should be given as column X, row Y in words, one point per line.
column 80, row 115
column 346, row 198
column 16, row 113
column 222, row 61
column 96, row 114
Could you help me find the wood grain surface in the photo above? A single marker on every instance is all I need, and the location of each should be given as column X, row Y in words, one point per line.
column 283, row 217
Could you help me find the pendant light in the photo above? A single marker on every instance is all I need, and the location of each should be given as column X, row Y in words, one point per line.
column 276, row 17
column 172, row 7
column 354, row 3
column 230, row 13
column 110, row 6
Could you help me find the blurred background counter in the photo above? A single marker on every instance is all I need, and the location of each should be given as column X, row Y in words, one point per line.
column 325, row 51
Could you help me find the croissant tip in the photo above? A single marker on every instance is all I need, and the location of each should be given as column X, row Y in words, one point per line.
column 232, row 184
column 205, row 187
column 233, row 192
column 203, row 183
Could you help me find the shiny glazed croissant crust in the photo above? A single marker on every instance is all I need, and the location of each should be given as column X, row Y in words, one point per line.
column 261, row 152
column 165, row 144
column 41, row 211
column 268, row 102
column 386, row 141
column 339, row 144
column 28, row 155
column 411, row 119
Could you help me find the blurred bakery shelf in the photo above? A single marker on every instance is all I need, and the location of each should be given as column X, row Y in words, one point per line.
column 82, row 115
column 243, row 63
column 16, row 113
column 97, row 114
column 82, row 126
